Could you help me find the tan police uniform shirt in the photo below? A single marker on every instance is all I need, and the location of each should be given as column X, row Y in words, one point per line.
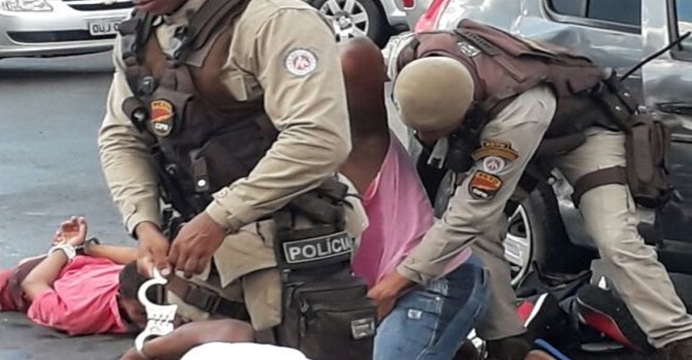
column 282, row 50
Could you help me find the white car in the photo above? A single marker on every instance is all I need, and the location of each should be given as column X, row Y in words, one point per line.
column 376, row 19
column 45, row 28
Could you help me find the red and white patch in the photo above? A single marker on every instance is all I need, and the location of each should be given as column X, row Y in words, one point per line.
column 493, row 164
column 301, row 62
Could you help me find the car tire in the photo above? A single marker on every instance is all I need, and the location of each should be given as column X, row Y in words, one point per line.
column 546, row 243
column 364, row 18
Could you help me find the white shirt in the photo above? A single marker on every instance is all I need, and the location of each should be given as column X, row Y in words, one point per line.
column 242, row 351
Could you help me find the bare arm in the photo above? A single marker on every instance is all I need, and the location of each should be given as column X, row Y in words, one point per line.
column 42, row 277
column 118, row 254
column 188, row 336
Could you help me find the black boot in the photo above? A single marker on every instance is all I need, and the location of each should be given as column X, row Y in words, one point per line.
column 511, row 348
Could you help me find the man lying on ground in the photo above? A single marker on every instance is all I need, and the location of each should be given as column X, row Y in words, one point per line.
column 421, row 321
column 212, row 340
column 94, row 292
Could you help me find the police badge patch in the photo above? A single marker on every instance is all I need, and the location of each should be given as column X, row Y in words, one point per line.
column 484, row 186
column 493, row 164
column 300, row 62
column 162, row 113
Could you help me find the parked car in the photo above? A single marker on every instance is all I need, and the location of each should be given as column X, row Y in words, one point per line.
column 45, row 28
column 376, row 19
column 547, row 229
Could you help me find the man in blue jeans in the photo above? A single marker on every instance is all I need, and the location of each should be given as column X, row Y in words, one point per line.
column 418, row 321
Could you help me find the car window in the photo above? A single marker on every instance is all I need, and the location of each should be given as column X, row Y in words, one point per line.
column 569, row 7
column 625, row 12
column 684, row 13
column 619, row 11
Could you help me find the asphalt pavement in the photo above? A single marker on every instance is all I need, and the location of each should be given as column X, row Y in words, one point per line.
column 50, row 111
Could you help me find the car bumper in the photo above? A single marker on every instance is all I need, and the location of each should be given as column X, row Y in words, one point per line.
column 64, row 31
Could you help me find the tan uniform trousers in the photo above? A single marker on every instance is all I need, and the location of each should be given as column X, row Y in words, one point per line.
column 610, row 216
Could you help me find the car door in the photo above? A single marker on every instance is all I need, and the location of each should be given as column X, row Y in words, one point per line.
column 608, row 31
column 667, row 85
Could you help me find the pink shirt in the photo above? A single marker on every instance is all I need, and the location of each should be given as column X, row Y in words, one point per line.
column 399, row 213
column 83, row 300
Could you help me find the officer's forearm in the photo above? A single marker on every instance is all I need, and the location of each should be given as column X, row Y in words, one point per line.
column 295, row 165
column 127, row 162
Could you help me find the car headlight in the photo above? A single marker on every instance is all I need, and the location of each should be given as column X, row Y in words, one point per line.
column 25, row 5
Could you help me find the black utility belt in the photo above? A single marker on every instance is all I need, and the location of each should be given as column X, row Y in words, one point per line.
column 315, row 251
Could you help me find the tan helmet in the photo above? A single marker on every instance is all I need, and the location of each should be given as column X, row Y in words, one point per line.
column 433, row 93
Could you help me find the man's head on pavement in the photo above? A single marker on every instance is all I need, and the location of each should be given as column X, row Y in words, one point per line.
column 159, row 7
column 131, row 308
column 433, row 95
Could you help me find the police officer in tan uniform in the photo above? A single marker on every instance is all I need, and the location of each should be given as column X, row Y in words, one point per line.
column 440, row 81
column 279, row 61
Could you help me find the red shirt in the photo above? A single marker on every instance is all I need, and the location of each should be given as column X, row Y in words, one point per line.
column 83, row 300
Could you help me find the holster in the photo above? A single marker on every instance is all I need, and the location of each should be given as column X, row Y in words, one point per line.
column 326, row 312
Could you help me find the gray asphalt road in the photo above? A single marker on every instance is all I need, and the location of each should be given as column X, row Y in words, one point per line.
column 50, row 110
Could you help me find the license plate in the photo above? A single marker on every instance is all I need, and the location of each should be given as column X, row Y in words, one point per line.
column 104, row 27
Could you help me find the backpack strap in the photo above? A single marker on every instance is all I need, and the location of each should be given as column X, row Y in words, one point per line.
column 204, row 24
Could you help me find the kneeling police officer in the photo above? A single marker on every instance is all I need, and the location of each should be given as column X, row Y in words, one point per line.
column 233, row 113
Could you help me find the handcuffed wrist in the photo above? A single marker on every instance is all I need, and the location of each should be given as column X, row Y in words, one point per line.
column 67, row 249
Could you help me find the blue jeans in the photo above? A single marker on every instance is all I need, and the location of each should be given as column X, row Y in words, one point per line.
column 431, row 323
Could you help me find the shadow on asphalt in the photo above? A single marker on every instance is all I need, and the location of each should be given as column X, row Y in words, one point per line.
column 22, row 340
column 84, row 66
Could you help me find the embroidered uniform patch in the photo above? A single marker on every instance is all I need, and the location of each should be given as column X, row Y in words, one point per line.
column 161, row 117
column 493, row 164
column 484, row 186
column 495, row 148
column 300, row 62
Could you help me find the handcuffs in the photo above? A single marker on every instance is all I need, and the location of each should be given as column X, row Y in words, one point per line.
column 159, row 317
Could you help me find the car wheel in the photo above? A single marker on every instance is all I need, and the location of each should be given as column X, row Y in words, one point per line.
column 536, row 235
column 352, row 18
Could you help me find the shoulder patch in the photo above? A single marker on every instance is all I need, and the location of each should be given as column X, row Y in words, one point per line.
column 495, row 148
column 483, row 185
column 300, row 62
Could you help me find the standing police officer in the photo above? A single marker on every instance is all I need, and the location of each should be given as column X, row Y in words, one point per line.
column 477, row 96
column 229, row 110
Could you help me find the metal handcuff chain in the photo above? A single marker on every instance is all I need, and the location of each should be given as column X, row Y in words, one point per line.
column 160, row 318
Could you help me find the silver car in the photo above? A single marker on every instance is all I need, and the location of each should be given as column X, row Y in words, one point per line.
column 45, row 28
column 376, row 19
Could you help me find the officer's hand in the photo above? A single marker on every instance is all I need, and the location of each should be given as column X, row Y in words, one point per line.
column 152, row 250
column 387, row 292
column 196, row 243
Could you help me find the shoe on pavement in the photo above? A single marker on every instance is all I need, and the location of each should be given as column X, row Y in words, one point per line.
column 606, row 312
